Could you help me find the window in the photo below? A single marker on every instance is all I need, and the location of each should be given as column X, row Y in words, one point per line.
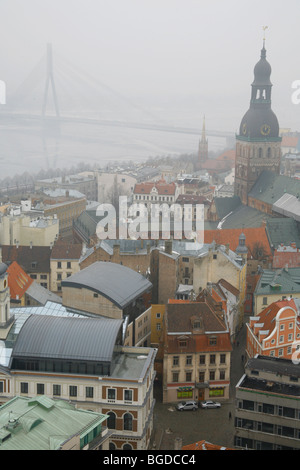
column 281, row 327
column 59, row 264
column 201, row 376
column 111, row 421
column 111, row 394
column 40, row 389
column 189, row 360
column 127, row 422
column 222, row 374
column 202, row 359
column 43, row 276
column 59, row 276
column 24, row 387
column 212, row 375
column 175, row 377
column 188, row 376
column 128, row 395
column 182, row 343
column 175, row 360
column 214, row 256
column 73, row 390
column 185, row 260
column 212, row 341
column 158, row 315
column 265, row 300
column 89, row 392
column 222, row 358
column 281, row 339
column 68, row 264
column 56, row 390
column 1, row 387
column 212, row 359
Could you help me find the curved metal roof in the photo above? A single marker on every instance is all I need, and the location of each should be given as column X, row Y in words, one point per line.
column 119, row 284
column 74, row 338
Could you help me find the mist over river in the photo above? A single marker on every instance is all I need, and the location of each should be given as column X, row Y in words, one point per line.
column 27, row 147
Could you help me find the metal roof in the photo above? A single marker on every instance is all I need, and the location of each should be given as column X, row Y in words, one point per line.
column 288, row 205
column 41, row 423
column 119, row 284
column 74, row 338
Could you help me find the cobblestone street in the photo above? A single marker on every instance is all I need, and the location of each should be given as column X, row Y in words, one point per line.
column 213, row 425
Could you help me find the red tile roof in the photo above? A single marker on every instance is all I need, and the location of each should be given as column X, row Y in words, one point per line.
column 283, row 258
column 163, row 188
column 267, row 316
column 231, row 237
column 228, row 155
column 289, row 141
column 204, row 445
column 18, row 281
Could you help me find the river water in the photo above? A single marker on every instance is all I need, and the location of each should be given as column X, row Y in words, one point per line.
column 27, row 147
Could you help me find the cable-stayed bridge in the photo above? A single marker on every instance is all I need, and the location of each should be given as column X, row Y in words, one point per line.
column 54, row 88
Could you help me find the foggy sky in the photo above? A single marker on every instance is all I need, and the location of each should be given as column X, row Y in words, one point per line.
column 180, row 59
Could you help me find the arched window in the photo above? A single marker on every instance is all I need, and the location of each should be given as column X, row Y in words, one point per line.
column 112, row 446
column 269, row 154
column 111, row 422
column 127, row 447
column 127, row 424
column 260, row 152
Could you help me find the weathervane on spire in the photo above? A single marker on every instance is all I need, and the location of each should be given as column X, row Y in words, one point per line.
column 264, row 30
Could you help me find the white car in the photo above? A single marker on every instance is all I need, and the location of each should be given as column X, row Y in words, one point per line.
column 210, row 404
column 187, row 405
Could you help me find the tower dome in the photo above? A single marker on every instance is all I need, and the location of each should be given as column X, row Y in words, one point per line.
column 260, row 122
column 262, row 70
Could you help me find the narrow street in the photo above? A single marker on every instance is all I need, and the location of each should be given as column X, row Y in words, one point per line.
column 214, row 425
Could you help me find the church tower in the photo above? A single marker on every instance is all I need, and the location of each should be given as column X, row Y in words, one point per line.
column 258, row 145
column 203, row 147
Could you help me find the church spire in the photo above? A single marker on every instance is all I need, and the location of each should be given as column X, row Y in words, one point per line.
column 203, row 147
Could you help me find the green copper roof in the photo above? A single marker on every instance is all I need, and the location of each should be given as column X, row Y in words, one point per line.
column 41, row 423
column 279, row 281
column 269, row 187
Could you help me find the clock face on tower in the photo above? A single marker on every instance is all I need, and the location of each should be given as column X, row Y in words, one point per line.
column 265, row 129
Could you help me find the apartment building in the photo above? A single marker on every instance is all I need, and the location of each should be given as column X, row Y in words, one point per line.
column 268, row 405
column 197, row 350
column 64, row 262
column 275, row 331
column 23, row 230
column 33, row 259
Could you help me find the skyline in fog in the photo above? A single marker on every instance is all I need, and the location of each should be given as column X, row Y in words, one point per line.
column 176, row 59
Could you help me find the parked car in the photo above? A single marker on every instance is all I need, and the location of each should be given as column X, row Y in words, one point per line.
column 187, row 405
column 210, row 404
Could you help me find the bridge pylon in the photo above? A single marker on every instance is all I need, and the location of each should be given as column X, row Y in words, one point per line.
column 50, row 81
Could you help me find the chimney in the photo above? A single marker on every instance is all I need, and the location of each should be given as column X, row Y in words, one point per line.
column 168, row 247
column 286, row 268
column 116, row 249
